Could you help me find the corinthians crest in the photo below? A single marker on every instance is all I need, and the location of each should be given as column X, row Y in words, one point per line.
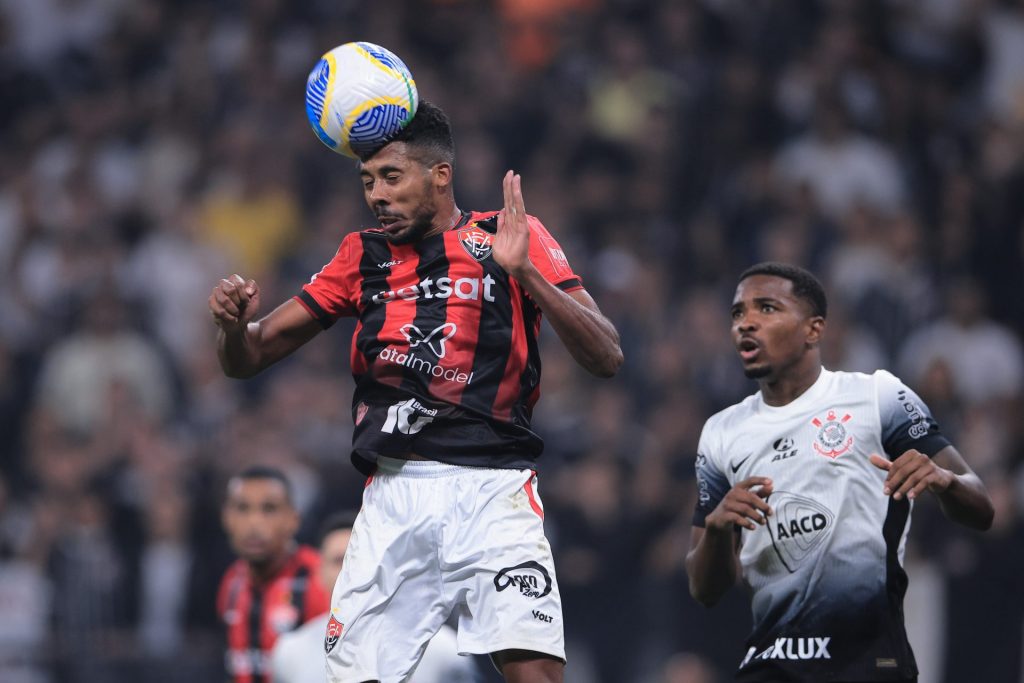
column 833, row 438
column 476, row 242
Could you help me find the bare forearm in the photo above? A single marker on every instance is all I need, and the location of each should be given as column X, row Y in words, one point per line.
column 245, row 351
column 965, row 501
column 712, row 567
column 591, row 338
column 239, row 352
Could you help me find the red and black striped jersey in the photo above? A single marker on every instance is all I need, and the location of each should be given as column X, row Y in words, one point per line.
column 256, row 614
column 444, row 355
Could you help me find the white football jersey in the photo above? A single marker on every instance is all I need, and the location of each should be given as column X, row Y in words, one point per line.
column 826, row 571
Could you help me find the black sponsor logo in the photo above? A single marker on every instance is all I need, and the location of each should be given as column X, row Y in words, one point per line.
column 531, row 578
column 784, row 448
column 537, row 614
column 797, row 527
column 736, row 466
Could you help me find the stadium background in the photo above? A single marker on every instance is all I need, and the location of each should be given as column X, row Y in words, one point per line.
column 149, row 147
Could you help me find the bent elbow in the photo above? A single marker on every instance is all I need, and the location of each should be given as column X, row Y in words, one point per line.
column 609, row 365
column 705, row 597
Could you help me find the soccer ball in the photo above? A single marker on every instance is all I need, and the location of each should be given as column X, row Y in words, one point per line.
column 358, row 96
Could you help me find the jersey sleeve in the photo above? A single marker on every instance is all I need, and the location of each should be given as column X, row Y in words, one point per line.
column 547, row 256
column 712, row 484
column 334, row 291
column 906, row 421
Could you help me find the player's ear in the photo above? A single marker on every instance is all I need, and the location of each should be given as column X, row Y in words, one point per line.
column 442, row 172
column 815, row 329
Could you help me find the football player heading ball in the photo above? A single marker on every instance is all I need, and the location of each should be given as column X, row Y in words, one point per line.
column 447, row 371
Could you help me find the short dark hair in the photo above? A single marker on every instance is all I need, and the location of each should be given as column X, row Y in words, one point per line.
column 336, row 521
column 429, row 132
column 805, row 285
column 256, row 472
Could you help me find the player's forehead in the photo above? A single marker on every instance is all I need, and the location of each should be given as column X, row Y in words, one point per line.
column 764, row 286
column 394, row 155
column 257, row 490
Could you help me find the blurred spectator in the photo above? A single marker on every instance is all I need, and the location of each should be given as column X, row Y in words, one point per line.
column 250, row 211
column 1004, row 40
column 25, row 593
column 169, row 271
column 102, row 366
column 842, row 167
column 984, row 357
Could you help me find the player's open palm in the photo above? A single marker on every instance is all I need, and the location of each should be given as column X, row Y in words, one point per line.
column 744, row 505
column 511, row 246
column 911, row 474
column 234, row 302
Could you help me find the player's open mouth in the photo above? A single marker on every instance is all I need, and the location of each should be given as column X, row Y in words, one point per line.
column 749, row 349
column 390, row 224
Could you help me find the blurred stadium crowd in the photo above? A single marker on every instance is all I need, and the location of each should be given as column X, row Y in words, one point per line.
column 150, row 147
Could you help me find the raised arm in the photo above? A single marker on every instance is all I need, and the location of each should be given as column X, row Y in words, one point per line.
column 589, row 336
column 962, row 496
column 246, row 346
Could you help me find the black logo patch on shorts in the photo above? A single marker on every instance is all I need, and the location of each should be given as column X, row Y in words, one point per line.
column 334, row 629
column 527, row 577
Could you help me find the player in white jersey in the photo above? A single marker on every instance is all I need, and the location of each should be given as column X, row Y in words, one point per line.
column 805, row 490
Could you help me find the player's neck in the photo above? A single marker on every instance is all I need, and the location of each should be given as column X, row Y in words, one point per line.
column 445, row 220
column 791, row 385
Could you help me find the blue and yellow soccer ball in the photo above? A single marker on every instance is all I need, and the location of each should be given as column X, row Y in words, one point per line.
column 358, row 96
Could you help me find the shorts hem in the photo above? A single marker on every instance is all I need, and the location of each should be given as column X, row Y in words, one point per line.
column 540, row 648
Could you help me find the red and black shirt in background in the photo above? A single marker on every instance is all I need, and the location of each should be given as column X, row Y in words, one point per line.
column 255, row 614
column 444, row 355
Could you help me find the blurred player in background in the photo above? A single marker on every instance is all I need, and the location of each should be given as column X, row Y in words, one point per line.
column 447, row 372
column 806, row 488
column 298, row 656
column 273, row 587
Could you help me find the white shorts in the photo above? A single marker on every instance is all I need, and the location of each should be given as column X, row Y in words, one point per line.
column 432, row 540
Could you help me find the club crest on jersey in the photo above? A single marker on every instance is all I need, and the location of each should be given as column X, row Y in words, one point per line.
column 334, row 629
column 833, row 438
column 476, row 242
